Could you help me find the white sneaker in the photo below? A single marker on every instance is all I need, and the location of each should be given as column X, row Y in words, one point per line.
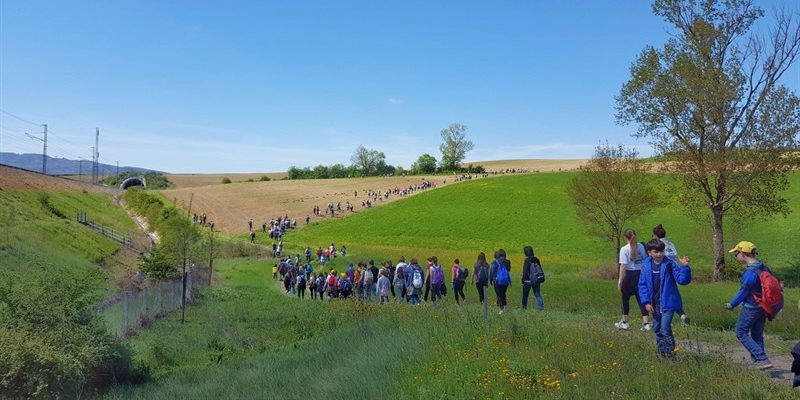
column 621, row 325
column 645, row 327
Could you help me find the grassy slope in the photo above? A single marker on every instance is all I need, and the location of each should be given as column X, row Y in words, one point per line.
column 31, row 233
column 249, row 340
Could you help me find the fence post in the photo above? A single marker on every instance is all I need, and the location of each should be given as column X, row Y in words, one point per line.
column 189, row 283
column 144, row 301
column 125, row 313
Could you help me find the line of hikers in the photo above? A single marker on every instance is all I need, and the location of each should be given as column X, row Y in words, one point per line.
column 410, row 282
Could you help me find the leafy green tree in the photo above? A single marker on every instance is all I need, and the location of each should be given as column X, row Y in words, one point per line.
column 711, row 100
column 366, row 160
column 384, row 169
column 321, row 172
column 425, row 164
column 611, row 190
column 454, row 146
column 160, row 264
column 339, row 171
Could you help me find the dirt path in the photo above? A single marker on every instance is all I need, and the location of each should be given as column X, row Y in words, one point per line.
column 782, row 359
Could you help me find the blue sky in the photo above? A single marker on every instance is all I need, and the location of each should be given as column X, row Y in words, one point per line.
column 259, row 86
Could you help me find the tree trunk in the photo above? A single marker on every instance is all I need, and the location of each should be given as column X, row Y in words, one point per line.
column 719, row 244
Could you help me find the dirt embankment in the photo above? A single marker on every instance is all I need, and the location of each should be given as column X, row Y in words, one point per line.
column 11, row 177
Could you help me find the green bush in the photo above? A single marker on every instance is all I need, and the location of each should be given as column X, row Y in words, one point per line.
column 264, row 178
column 226, row 181
column 53, row 344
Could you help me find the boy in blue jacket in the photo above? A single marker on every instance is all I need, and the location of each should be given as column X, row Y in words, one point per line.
column 658, row 291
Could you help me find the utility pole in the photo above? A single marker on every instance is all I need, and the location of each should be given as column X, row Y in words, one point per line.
column 44, row 151
column 80, row 170
column 44, row 148
column 96, row 157
column 117, row 170
column 93, row 165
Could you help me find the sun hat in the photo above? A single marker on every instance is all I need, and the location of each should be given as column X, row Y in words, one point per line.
column 744, row 247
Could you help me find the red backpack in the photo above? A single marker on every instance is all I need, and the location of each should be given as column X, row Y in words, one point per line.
column 771, row 300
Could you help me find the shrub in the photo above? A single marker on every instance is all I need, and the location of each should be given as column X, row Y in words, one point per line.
column 264, row 178
column 226, row 181
column 53, row 343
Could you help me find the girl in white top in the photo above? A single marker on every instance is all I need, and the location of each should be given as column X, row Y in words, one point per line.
column 631, row 258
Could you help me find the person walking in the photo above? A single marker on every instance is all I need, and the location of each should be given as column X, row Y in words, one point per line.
column 480, row 275
column 415, row 279
column 436, row 279
column 670, row 251
column 400, row 279
column 752, row 319
column 501, row 278
column 658, row 291
column 527, row 279
column 383, row 286
column 460, row 274
column 631, row 257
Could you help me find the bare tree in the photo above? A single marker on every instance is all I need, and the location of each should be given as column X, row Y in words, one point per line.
column 612, row 189
column 711, row 101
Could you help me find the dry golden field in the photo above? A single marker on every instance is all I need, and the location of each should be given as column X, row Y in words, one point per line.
column 11, row 177
column 230, row 206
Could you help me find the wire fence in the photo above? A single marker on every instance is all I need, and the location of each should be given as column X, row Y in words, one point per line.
column 136, row 309
column 122, row 238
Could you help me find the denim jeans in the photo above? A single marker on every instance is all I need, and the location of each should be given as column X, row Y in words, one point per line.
column 369, row 290
column 413, row 299
column 752, row 321
column 662, row 326
column 526, row 289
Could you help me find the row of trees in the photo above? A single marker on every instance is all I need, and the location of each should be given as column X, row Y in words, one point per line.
column 370, row 162
column 711, row 102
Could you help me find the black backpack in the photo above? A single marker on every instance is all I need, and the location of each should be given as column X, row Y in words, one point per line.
column 463, row 273
column 483, row 275
column 536, row 273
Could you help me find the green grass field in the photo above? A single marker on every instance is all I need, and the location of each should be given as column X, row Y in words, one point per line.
column 246, row 339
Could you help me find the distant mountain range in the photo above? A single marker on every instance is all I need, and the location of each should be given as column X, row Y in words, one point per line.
column 63, row 166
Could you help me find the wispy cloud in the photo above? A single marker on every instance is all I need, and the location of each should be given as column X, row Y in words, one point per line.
column 393, row 100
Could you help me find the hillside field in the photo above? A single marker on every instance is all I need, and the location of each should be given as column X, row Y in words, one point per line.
column 230, row 206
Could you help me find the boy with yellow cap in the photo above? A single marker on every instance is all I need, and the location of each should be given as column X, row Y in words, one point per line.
column 752, row 319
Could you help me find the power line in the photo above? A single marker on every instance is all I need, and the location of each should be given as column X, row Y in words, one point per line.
column 19, row 118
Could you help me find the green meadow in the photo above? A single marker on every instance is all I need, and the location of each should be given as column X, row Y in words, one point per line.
column 246, row 339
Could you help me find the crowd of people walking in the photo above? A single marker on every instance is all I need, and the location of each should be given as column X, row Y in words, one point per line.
column 408, row 282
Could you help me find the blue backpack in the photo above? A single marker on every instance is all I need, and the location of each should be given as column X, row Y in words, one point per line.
column 502, row 275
